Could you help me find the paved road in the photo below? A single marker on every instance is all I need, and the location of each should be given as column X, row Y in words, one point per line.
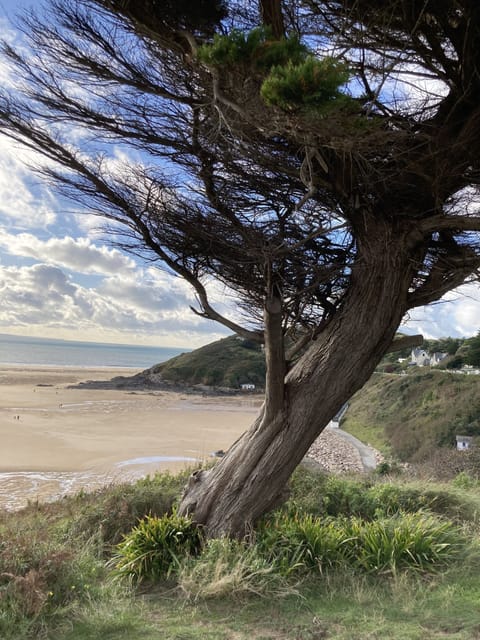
column 367, row 454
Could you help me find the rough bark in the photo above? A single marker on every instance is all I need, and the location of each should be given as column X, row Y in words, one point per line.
column 251, row 478
column 272, row 17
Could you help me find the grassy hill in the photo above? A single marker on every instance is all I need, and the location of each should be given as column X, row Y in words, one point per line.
column 230, row 362
column 410, row 415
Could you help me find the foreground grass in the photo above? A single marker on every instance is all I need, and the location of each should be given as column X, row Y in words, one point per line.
column 55, row 583
column 339, row 608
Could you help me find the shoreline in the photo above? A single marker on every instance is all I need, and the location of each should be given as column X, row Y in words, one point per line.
column 79, row 367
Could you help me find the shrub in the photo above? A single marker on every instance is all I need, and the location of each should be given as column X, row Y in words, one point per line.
column 340, row 496
column 320, row 494
column 41, row 577
column 311, row 83
column 302, row 542
column 156, row 547
column 416, row 541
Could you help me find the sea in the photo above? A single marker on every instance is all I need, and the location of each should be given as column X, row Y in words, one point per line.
column 20, row 350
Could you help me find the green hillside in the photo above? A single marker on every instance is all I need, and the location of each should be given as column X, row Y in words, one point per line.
column 230, row 362
column 409, row 415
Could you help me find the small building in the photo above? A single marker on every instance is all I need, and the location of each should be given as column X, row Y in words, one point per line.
column 420, row 357
column 464, row 442
column 335, row 421
column 437, row 357
column 248, row 386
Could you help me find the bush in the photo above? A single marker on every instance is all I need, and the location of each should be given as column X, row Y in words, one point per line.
column 302, row 542
column 312, row 83
column 417, row 541
column 447, row 463
column 465, row 480
column 339, row 496
column 319, row 494
column 414, row 541
column 41, row 577
column 156, row 547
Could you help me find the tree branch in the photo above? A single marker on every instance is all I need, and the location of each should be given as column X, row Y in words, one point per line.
column 453, row 223
column 405, row 342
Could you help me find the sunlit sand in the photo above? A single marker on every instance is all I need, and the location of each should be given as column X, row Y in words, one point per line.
column 56, row 440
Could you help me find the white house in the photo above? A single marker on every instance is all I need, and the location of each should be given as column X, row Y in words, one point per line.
column 464, row 442
column 422, row 358
column 247, row 386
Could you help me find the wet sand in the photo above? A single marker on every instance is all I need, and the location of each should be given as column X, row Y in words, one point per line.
column 55, row 440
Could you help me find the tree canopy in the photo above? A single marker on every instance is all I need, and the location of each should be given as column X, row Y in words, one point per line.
column 320, row 158
column 261, row 155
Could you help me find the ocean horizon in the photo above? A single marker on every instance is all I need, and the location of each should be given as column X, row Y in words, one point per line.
column 24, row 350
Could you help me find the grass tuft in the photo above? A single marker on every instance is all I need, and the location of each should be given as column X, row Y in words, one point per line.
column 156, row 547
column 229, row 568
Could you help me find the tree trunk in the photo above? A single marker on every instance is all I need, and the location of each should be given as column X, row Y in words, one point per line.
column 251, row 478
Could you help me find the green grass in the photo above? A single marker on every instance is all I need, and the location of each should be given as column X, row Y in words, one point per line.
column 55, row 583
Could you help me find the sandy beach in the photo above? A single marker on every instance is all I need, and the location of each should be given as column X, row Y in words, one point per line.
column 56, row 440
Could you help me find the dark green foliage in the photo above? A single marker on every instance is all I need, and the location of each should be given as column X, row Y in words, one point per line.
column 473, row 354
column 201, row 16
column 385, row 468
column 256, row 49
column 155, row 548
column 444, row 345
column 416, row 542
column 294, row 78
column 296, row 543
column 337, row 496
column 455, row 362
column 312, row 84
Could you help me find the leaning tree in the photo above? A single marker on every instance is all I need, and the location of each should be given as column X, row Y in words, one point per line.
column 318, row 158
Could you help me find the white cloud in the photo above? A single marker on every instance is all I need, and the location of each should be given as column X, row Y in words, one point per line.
column 456, row 315
column 19, row 207
column 43, row 300
column 79, row 254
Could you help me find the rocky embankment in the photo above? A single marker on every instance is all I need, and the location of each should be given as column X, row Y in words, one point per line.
column 337, row 452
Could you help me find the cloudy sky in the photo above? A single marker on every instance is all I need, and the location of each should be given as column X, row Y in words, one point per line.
column 59, row 278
